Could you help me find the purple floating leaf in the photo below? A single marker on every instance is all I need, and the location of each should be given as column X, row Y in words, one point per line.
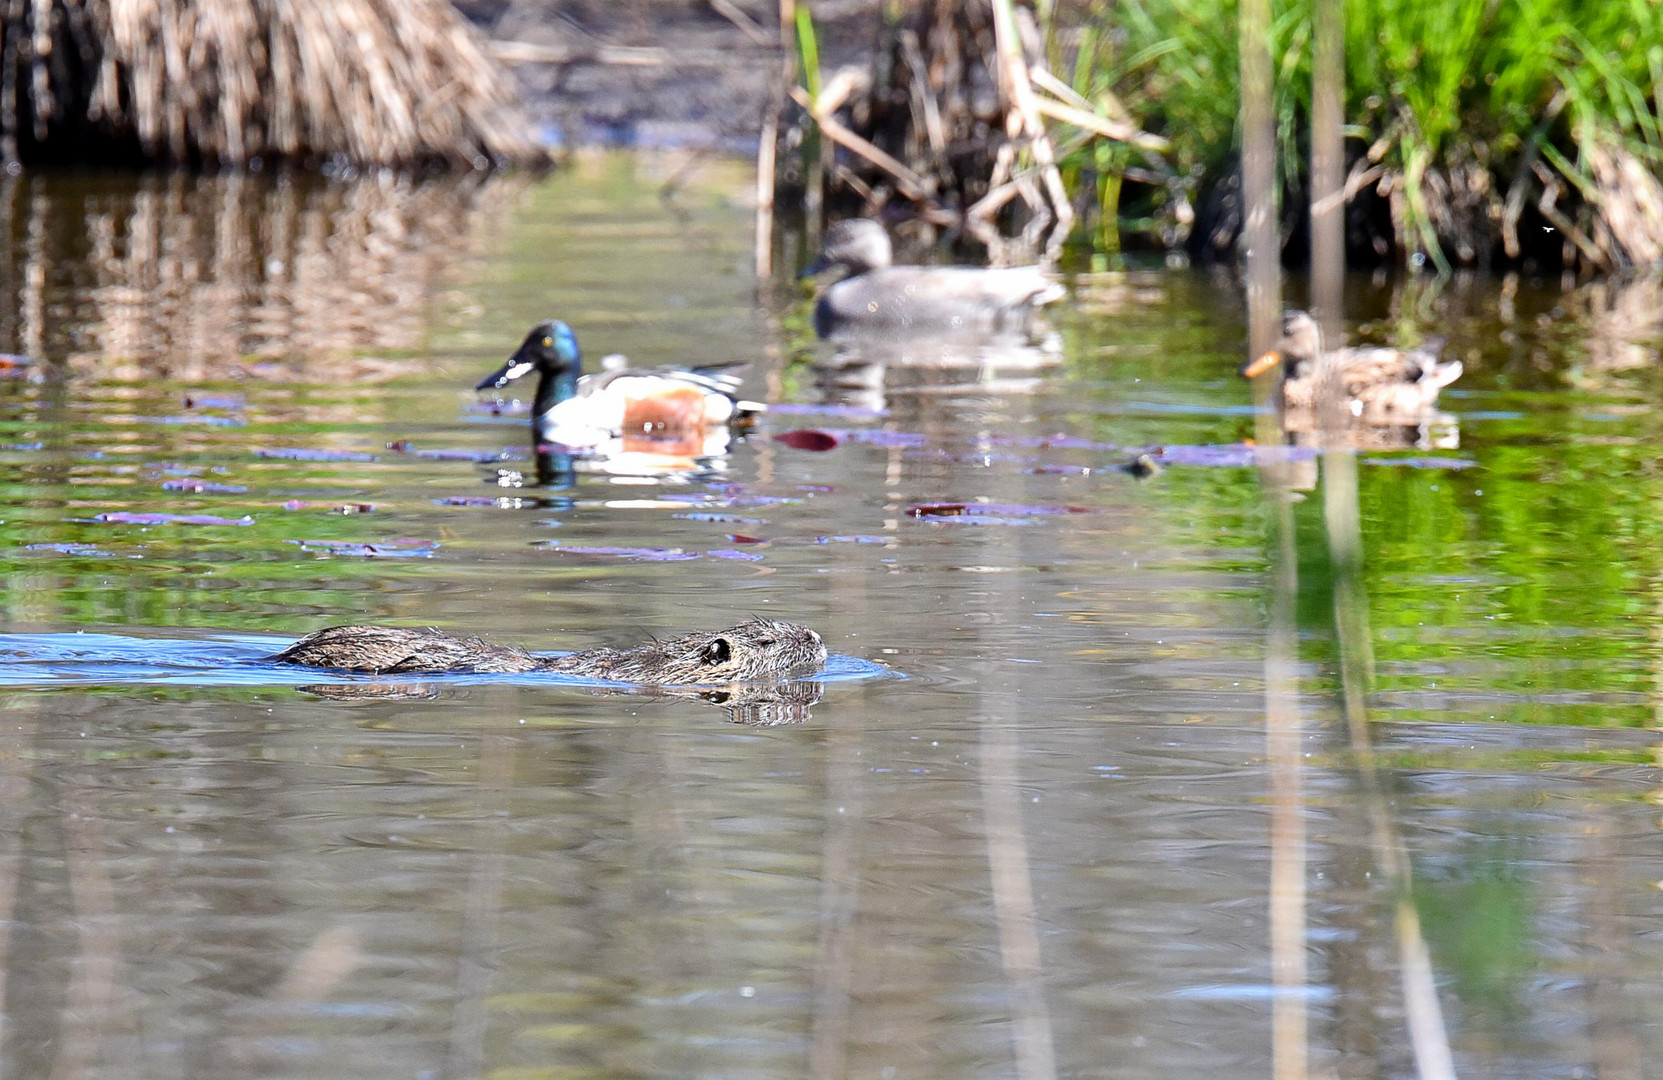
column 851, row 412
column 22, row 446
column 643, row 554
column 403, row 446
column 395, row 549
column 1237, row 455
column 894, row 439
column 731, row 553
column 854, row 539
column 470, row 500
column 214, row 401
column 809, row 439
column 203, row 487
column 205, row 419
column 1423, row 462
column 122, row 517
column 14, row 364
column 296, row 453
column 981, row 519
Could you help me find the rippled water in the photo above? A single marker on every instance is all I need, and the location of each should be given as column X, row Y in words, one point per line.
column 1045, row 851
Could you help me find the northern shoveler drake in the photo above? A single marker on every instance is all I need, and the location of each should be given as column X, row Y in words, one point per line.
column 1376, row 386
column 666, row 411
column 875, row 298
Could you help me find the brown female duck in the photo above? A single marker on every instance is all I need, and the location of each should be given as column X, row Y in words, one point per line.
column 1373, row 386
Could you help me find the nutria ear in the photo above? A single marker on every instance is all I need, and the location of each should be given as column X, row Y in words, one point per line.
column 717, row 652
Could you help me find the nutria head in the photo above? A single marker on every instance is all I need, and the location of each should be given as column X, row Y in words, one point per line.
column 761, row 650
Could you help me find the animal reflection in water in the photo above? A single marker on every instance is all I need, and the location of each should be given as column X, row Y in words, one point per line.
column 865, row 373
column 758, row 705
column 1362, row 398
column 744, row 668
column 621, row 421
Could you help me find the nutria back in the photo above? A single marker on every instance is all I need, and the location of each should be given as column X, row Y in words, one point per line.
column 398, row 650
column 757, row 651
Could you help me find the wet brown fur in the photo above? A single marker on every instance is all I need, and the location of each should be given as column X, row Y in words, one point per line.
column 759, row 650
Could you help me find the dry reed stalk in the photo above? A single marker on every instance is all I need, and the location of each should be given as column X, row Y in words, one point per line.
column 366, row 82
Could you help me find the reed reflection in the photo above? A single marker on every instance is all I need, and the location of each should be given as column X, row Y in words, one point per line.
column 206, row 277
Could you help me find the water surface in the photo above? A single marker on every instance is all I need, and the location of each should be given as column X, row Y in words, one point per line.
column 1047, row 851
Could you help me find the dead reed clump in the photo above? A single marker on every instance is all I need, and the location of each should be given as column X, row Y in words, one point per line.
column 366, row 82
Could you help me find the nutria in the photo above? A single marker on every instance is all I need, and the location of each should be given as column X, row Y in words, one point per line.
column 757, row 651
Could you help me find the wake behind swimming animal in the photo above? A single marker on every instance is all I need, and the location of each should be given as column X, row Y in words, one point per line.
column 756, row 651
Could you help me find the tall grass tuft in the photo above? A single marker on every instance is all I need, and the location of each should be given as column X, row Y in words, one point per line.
column 1467, row 118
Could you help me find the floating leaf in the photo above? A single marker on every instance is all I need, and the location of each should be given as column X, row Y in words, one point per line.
column 214, row 401
column 476, row 500
column 1237, row 455
column 935, row 510
column 742, row 538
column 900, row 440
column 297, row 453
column 22, row 446
column 122, row 517
column 856, row 539
column 730, row 553
column 403, row 446
column 644, row 554
column 203, row 487
column 809, row 439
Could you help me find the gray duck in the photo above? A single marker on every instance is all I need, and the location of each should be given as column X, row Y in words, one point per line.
column 874, row 298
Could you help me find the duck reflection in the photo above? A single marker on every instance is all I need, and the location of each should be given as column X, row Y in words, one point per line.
column 864, row 372
column 754, row 705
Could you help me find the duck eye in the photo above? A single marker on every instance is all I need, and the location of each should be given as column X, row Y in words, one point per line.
column 547, row 342
column 717, row 652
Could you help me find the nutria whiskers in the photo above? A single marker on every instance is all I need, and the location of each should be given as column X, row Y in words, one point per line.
column 755, row 651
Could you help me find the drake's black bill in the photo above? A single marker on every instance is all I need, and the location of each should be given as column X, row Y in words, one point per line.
column 507, row 373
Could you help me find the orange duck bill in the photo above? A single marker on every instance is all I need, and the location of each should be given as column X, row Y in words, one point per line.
column 1261, row 364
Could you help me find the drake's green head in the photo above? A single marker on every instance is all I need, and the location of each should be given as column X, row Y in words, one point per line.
column 550, row 349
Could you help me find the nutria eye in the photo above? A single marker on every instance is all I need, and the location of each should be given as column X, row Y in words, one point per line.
column 717, row 652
